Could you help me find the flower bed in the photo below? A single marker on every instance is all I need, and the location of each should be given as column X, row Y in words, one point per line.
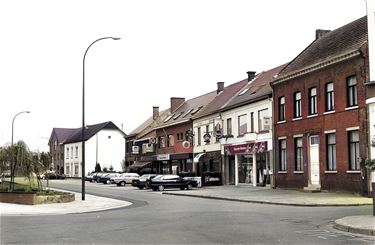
column 33, row 198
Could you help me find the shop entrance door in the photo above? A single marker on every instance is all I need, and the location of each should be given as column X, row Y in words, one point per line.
column 231, row 170
column 245, row 169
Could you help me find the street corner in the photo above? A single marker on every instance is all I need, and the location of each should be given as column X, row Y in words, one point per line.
column 360, row 224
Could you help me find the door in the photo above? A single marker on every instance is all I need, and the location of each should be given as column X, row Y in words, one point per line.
column 231, row 170
column 314, row 160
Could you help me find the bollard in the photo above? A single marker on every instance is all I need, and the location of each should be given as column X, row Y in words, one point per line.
column 373, row 198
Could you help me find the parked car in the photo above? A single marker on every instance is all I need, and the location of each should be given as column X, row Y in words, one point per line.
column 143, row 181
column 90, row 177
column 52, row 176
column 106, row 178
column 162, row 182
column 125, row 178
column 97, row 176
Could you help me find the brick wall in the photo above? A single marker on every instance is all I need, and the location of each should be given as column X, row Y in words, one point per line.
column 340, row 120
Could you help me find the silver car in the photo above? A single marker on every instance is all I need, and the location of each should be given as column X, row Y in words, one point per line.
column 125, row 178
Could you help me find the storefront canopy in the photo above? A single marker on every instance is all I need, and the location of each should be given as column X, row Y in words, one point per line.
column 139, row 164
column 196, row 158
column 250, row 148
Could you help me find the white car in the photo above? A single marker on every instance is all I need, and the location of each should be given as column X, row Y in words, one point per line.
column 125, row 178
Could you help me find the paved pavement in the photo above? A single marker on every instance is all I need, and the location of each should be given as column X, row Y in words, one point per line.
column 91, row 204
column 244, row 193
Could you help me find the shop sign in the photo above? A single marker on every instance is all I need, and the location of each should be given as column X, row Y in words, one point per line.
column 247, row 149
column 162, row 157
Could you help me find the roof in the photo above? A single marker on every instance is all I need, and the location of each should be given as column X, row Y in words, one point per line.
column 62, row 134
column 339, row 42
column 255, row 89
column 90, row 131
column 221, row 99
column 187, row 110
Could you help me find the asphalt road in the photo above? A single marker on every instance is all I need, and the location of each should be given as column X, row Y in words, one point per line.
column 163, row 219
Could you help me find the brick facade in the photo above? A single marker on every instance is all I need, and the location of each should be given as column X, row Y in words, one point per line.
column 340, row 121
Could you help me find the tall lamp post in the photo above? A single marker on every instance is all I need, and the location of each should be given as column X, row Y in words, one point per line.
column 83, row 113
column 13, row 165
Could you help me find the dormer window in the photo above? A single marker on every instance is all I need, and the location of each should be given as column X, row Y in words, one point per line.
column 168, row 118
column 196, row 110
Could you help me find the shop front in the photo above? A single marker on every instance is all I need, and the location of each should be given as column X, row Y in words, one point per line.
column 246, row 163
column 208, row 166
column 174, row 163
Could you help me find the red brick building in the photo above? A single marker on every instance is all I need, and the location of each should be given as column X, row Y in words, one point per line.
column 320, row 115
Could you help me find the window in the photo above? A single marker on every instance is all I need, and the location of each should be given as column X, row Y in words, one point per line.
column 354, row 150
column 242, row 124
column 199, row 135
column 282, row 108
column 71, row 152
column 55, row 145
column 331, row 152
column 330, row 97
column 298, row 153
column 76, row 169
column 282, row 156
column 313, row 105
column 170, row 140
column 180, row 136
column 67, row 153
column 76, row 152
column 161, row 142
column 352, row 91
column 297, row 105
column 252, row 122
column 229, row 126
column 263, row 120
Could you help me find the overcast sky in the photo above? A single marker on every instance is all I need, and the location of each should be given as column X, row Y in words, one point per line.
column 167, row 49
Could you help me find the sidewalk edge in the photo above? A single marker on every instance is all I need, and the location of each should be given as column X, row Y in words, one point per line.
column 267, row 202
column 350, row 229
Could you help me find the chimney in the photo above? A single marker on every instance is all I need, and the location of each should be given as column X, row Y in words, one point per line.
column 220, row 87
column 155, row 112
column 176, row 102
column 250, row 75
column 320, row 32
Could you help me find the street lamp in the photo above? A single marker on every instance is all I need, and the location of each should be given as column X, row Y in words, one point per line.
column 13, row 165
column 83, row 113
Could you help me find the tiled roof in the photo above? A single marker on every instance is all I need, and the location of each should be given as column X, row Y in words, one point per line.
column 341, row 41
column 221, row 99
column 187, row 110
column 62, row 134
column 258, row 87
column 90, row 131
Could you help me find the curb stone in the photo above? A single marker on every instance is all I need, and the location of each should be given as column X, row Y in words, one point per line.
column 267, row 202
column 346, row 228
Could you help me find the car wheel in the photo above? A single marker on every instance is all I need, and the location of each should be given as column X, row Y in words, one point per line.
column 161, row 187
column 189, row 187
column 182, row 188
column 140, row 187
column 118, row 184
column 154, row 189
column 92, row 181
column 122, row 183
column 108, row 182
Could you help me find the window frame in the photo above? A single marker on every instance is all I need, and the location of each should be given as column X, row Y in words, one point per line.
column 281, row 115
column 331, row 153
column 313, row 101
column 239, row 125
column 298, row 153
column 352, row 91
column 353, row 145
column 329, row 97
column 229, row 126
column 282, row 155
column 297, row 104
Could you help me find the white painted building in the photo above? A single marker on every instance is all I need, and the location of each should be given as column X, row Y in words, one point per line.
column 105, row 144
